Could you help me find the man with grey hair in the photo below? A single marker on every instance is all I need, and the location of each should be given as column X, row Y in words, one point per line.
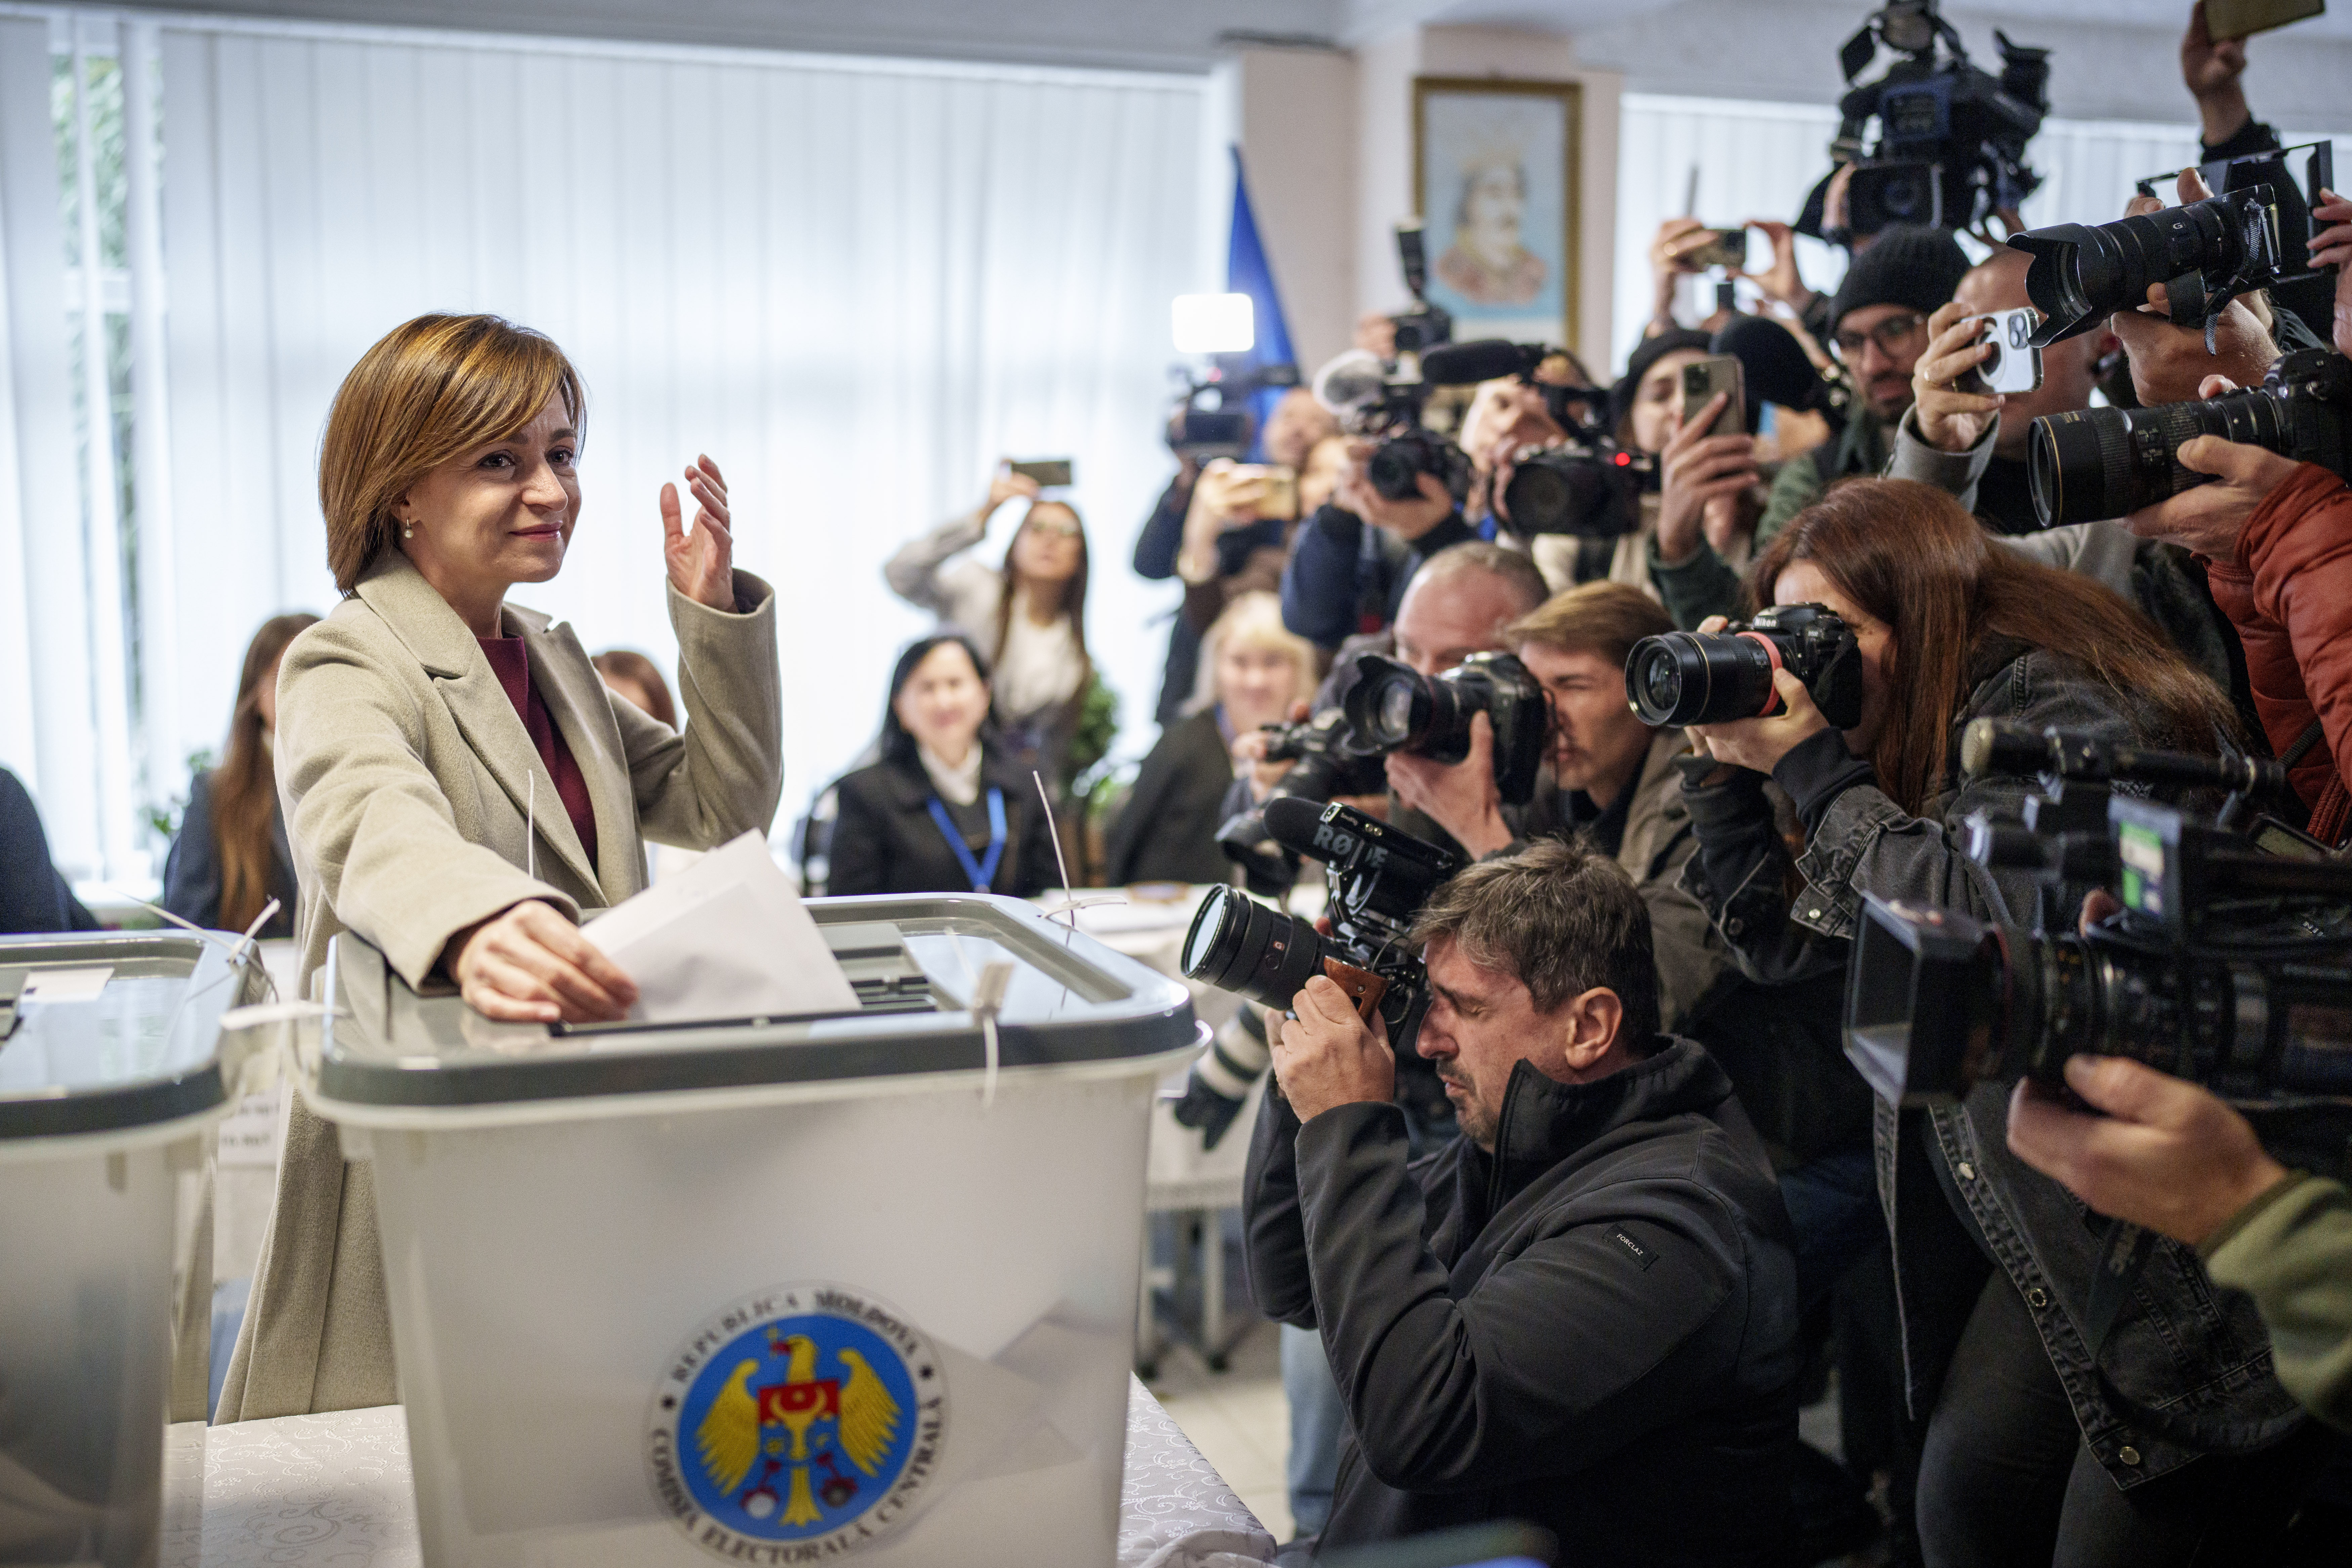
column 1580, row 1313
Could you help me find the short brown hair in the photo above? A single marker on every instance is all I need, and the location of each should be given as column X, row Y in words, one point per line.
column 1561, row 919
column 428, row 390
column 1603, row 618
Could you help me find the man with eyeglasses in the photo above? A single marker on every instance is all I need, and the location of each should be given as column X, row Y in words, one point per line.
column 1878, row 328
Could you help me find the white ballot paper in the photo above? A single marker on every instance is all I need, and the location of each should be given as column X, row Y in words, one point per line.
column 726, row 938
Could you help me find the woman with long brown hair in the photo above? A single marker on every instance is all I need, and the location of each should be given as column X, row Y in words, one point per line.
column 1027, row 618
column 2042, row 1446
column 231, row 857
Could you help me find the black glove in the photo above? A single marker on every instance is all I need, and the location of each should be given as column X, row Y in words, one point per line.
column 1205, row 1108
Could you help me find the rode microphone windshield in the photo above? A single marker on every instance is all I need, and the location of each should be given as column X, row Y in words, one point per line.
column 1482, row 359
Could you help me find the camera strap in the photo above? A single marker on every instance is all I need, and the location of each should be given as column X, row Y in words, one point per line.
column 982, row 872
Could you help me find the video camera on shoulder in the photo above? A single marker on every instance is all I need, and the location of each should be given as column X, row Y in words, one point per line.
column 1951, row 144
column 1385, row 707
column 1380, row 877
column 2228, row 965
column 1213, row 416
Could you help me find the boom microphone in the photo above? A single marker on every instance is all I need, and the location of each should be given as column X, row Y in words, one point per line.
column 1776, row 370
column 1485, row 359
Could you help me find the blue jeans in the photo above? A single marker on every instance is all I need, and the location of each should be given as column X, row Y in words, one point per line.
column 1833, row 1202
column 1318, row 1417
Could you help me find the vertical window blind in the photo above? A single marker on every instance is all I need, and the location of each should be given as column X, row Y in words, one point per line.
column 854, row 283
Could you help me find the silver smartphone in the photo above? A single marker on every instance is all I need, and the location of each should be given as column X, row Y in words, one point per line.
column 2015, row 364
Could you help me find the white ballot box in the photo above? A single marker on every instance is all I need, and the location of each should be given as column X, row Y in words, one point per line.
column 109, row 1073
column 769, row 1290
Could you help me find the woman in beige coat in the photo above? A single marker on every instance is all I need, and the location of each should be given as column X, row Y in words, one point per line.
column 458, row 788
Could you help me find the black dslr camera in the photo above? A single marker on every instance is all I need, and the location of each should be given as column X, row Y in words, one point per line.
column 2230, row 964
column 1379, row 879
column 1714, row 677
column 1372, row 397
column 1387, row 707
column 2094, row 463
column 1589, row 487
column 1951, row 143
column 2255, row 233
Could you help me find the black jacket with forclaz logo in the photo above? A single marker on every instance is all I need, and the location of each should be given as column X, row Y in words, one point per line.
column 1592, row 1328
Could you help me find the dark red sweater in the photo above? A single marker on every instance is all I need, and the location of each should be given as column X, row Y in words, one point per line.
column 510, row 662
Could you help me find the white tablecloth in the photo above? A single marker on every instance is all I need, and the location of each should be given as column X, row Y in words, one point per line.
column 333, row 1491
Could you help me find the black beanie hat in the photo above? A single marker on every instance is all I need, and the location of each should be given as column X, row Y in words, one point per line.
column 1649, row 351
column 1907, row 265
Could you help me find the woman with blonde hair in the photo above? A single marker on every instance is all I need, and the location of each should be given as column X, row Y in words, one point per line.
column 461, row 790
column 231, row 857
column 1253, row 669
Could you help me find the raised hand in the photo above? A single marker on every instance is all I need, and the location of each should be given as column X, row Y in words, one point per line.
column 701, row 559
column 1951, row 419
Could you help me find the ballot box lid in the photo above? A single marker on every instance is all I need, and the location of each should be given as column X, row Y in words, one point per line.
column 913, row 959
column 102, row 1031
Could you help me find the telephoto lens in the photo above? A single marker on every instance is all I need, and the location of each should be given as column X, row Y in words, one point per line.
column 2082, row 275
column 1679, row 678
column 2096, row 463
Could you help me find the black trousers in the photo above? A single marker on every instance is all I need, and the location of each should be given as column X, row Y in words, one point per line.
column 2006, row 1480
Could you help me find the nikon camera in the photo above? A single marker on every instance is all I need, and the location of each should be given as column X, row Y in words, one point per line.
column 1714, row 677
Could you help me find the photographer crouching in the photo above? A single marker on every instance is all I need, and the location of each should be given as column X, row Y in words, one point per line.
column 1580, row 1313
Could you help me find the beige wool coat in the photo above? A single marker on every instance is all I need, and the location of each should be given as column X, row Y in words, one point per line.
column 405, row 776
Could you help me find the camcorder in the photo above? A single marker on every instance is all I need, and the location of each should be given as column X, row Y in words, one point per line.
column 1679, row 678
column 2228, row 965
column 1380, row 877
column 2094, row 463
column 1212, row 415
column 1388, row 707
column 2254, row 233
column 1951, row 143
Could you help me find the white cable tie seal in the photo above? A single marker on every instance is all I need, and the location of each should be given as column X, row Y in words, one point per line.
column 987, row 1001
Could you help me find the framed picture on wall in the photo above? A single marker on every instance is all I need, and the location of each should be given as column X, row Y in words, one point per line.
column 1494, row 170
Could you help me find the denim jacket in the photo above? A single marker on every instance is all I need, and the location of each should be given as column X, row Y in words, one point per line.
column 2179, row 1346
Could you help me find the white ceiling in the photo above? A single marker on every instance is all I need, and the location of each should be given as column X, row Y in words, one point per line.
column 2114, row 59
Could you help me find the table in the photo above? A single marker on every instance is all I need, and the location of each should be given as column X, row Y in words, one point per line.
column 333, row 1491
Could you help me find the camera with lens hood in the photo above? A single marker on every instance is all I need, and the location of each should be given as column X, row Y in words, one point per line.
column 1374, row 396
column 2229, row 964
column 1380, row 877
column 2096, row 463
column 1677, row 678
column 2256, row 232
column 1951, row 136
column 1589, row 486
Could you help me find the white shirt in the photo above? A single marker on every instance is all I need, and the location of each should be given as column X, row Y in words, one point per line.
column 956, row 785
column 1038, row 666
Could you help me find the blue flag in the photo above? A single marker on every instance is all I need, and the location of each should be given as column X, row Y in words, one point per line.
column 1247, row 272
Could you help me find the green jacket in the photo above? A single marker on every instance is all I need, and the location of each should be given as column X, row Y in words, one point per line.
column 1705, row 584
column 2290, row 1250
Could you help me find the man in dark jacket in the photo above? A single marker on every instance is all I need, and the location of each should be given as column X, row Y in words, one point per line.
column 1583, row 1312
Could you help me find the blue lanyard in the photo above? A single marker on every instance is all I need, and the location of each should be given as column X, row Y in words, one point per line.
column 983, row 871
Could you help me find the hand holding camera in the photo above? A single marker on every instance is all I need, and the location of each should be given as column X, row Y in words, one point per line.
column 2162, row 1153
column 1461, row 798
column 1408, row 516
column 1327, row 1055
column 2206, row 518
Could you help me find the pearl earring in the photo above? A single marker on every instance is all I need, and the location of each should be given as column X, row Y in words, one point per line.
column 407, row 531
